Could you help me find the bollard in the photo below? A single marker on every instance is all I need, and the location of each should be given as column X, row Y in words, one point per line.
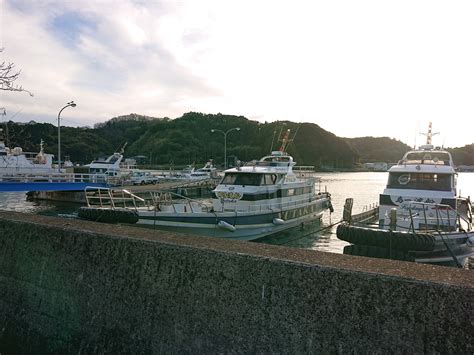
column 347, row 212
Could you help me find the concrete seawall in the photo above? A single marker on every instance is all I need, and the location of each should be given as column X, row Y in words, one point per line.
column 69, row 286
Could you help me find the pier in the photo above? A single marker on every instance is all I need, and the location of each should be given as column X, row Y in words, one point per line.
column 70, row 286
column 54, row 182
column 194, row 189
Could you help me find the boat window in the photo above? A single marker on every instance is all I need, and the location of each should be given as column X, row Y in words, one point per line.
column 242, row 179
column 269, row 179
column 419, row 181
column 113, row 159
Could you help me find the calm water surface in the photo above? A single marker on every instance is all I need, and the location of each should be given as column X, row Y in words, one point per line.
column 363, row 187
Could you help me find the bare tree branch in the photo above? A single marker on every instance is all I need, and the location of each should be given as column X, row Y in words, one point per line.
column 7, row 77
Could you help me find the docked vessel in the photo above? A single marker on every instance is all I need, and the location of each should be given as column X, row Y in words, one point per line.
column 190, row 173
column 14, row 161
column 249, row 203
column 208, row 171
column 420, row 213
column 110, row 166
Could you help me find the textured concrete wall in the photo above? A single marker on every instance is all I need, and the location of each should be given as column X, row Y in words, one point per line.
column 69, row 286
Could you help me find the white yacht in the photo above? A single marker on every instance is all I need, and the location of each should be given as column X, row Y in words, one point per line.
column 110, row 167
column 249, row 203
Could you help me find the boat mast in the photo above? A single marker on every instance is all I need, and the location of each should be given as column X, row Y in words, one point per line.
column 429, row 135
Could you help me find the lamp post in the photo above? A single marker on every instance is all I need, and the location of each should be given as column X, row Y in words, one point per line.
column 225, row 141
column 69, row 104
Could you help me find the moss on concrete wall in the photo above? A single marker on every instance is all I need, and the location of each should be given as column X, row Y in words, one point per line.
column 70, row 286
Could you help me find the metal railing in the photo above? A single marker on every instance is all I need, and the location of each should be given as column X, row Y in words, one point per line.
column 451, row 215
column 108, row 198
column 61, row 177
column 166, row 198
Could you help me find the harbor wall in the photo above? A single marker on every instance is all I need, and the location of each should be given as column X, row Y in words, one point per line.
column 70, row 286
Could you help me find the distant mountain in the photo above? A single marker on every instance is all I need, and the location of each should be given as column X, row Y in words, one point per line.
column 378, row 149
column 188, row 139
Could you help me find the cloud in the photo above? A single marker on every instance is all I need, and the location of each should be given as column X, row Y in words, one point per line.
column 106, row 56
column 355, row 68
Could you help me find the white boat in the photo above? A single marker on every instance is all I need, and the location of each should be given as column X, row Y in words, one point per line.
column 249, row 203
column 16, row 162
column 111, row 168
column 190, row 173
column 420, row 205
column 208, row 171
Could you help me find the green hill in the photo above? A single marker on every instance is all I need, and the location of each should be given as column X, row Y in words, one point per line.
column 188, row 139
column 378, row 149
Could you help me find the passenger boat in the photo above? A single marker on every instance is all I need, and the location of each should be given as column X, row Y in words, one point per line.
column 421, row 217
column 249, row 203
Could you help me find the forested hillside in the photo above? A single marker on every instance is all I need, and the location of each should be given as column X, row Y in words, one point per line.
column 378, row 149
column 188, row 139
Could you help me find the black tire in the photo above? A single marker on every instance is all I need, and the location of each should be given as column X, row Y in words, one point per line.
column 385, row 239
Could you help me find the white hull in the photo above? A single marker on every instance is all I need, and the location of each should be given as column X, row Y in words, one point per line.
column 244, row 232
column 205, row 223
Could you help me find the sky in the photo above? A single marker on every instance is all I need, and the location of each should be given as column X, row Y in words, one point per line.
column 355, row 68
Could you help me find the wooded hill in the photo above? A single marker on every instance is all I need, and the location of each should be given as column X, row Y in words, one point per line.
column 188, row 139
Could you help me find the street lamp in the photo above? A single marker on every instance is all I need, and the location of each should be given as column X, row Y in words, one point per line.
column 225, row 141
column 69, row 104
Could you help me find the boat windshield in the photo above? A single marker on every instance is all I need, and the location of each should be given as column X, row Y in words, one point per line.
column 251, row 179
column 435, row 158
column 419, row 181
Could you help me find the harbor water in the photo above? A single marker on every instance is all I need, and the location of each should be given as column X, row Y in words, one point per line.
column 363, row 187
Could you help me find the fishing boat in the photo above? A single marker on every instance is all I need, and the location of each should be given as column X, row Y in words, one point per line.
column 15, row 162
column 249, row 203
column 420, row 215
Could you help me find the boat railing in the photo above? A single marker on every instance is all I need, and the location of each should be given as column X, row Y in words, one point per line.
column 440, row 220
column 172, row 199
column 107, row 198
column 61, row 177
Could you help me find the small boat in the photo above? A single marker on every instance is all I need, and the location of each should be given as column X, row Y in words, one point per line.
column 208, row 171
column 190, row 173
column 249, row 203
column 420, row 216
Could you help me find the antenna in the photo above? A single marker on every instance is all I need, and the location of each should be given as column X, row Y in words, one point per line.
column 273, row 139
column 294, row 135
column 429, row 135
column 285, row 140
column 122, row 148
column 279, row 135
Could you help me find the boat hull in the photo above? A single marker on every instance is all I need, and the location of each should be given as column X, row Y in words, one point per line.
column 234, row 225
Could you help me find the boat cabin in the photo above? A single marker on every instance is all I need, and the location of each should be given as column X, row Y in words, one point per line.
column 250, row 178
